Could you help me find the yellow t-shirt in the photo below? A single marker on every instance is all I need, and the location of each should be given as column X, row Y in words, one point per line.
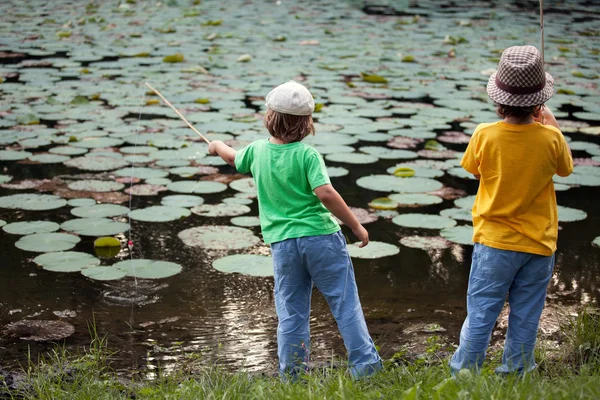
column 515, row 207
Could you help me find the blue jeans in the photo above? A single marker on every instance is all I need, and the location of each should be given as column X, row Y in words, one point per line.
column 494, row 273
column 323, row 260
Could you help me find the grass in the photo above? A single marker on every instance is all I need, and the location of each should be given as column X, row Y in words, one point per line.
column 572, row 372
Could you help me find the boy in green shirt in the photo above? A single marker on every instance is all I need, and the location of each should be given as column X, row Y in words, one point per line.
column 296, row 202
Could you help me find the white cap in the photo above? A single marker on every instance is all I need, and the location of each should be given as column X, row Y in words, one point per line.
column 291, row 98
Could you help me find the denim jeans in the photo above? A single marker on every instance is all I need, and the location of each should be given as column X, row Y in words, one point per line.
column 494, row 273
column 324, row 261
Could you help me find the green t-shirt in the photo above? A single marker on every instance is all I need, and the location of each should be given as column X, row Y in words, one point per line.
column 285, row 176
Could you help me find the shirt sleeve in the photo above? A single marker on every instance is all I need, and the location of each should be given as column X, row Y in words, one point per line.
column 469, row 161
column 243, row 159
column 564, row 165
column 316, row 171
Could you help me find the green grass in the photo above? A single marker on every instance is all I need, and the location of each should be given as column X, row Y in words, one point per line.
column 573, row 372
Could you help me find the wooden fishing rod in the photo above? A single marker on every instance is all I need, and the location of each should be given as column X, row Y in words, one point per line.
column 178, row 113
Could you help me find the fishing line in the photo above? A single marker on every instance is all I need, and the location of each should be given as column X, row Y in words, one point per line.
column 542, row 29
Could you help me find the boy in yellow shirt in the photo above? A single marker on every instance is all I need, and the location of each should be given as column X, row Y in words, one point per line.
column 515, row 217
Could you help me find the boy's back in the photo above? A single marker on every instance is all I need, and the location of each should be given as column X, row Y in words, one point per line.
column 285, row 176
column 515, row 207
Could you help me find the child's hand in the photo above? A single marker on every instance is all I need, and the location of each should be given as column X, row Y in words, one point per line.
column 212, row 147
column 362, row 235
column 545, row 117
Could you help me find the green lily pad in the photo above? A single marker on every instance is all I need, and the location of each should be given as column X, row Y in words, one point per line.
column 66, row 261
column 49, row 158
column 245, row 221
column 220, row 210
column 46, row 242
column 32, row 202
column 182, row 200
column 159, row 214
column 427, row 221
column 410, row 199
column 425, row 242
column 102, row 273
column 373, row 250
column 387, row 183
column 461, row 234
column 219, row 237
column 12, row 155
column 335, row 172
column 30, row 227
column 149, row 269
column 93, row 185
column 141, row 173
column 96, row 163
column 352, row 158
column 68, row 150
column 245, row 264
column 99, row 211
column 596, row 242
column 245, row 185
column 202, row 187
column 567, row 214
column 94, row 226
column 463, row 214
column 83, row 202
column 383, row 203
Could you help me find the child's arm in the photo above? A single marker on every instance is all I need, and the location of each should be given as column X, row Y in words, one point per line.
column 332, row 200
column 216, row 147
column 546, row 117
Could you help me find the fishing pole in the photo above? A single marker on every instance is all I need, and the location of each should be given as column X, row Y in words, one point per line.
column 542, row 29
column 178, row 113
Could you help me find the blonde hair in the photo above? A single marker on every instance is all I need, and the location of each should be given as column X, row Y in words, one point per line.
column 287, row 127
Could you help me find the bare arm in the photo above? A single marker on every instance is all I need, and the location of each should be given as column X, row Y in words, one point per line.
column 217, row 147
column 332, row 200
column 547, row 118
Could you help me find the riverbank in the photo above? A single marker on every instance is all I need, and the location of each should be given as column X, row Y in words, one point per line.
column 570, row 370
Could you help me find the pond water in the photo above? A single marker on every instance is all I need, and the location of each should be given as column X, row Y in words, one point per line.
column 73, row 73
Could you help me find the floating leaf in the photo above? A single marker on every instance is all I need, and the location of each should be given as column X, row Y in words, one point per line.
column 383, row 203
column 39, row 330
column 246, row 221
column 567, row 214
column 462, row 234
column 244, row 58
column 427, row 221
column 219, row 237
column 32, row 202
column 404, row 172
column 94, row 185
column 66, row 261
column 11, row 155
column 411, row 199
column 30, row 227
column 201, row 187
column 181, row 200
column 104, row 273
column 373, row 250
column 220, row 210
column 245, row 264
column 159, row 214
column 174, row 58
column 80, row 100
column 596, row 242
column 99, row 211
column 45, row 242
column 107, row 241
column 95, row 226
column 425, row 242
column 148, row 269
column 387, row 183
column 372, row 78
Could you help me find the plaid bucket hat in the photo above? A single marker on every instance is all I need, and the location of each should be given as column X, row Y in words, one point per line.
column 520, row 80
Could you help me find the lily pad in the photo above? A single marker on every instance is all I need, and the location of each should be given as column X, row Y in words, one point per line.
column 12, row 155
column 219, row 237
column 411, row 199
column 95, row 226
column 148, row 269
column 159, row 214
column 32, row 202
column 383, row 203
column 567, row 214
column 220, row 210
column 425, row 242
column 30, row 227
column 427, row 221
column 245, row 185
column 461, row 234
column 352, row 158
column 202, row 187
column 46, row 242
column 373, row 250
column 387, row 183
column 182, row 200
column 66, row 261
column 39, row 330
column 463, row 214
column 49, row 158
column 245, row 221
column 245, row 264
column 99, row 211
column 107, row 241
column 102, row 273
column 82, row 202
column 596, row 242
column 93, row 185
